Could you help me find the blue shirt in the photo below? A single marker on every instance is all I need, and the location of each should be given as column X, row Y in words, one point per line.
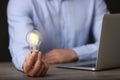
column 63, row 24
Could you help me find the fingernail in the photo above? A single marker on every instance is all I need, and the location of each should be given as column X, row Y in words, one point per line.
column 39, row 52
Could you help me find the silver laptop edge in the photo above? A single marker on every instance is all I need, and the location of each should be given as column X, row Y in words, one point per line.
column 109, row 48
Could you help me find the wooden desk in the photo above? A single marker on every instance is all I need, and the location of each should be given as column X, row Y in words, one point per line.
column 8, row 72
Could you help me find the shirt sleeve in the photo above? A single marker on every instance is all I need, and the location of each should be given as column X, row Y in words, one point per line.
column 20, row 23
column 89, row 51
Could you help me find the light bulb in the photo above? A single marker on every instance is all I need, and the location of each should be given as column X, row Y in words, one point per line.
column 34, row 39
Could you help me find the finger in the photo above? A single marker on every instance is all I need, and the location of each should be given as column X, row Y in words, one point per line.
column 26, row 66
column 37, row 66
column 45, row 69
column 51, row 60
column 41, row 70
column 48, row 55
column 30, row 61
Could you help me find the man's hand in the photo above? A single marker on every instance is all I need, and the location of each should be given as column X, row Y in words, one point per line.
column 60, row 56
column 34, row 66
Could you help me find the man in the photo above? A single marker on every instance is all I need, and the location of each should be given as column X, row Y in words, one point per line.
column 64, row 25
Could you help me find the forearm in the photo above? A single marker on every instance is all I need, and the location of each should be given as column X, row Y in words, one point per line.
column 87, row 52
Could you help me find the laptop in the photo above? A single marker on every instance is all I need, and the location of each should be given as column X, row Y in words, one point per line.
column 109, row 49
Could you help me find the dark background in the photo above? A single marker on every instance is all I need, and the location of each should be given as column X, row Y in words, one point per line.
column 113, row 6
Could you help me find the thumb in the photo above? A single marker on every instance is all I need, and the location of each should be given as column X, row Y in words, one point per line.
column 39, row 55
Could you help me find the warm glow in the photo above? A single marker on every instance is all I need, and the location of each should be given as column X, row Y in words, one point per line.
column 34, row 39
